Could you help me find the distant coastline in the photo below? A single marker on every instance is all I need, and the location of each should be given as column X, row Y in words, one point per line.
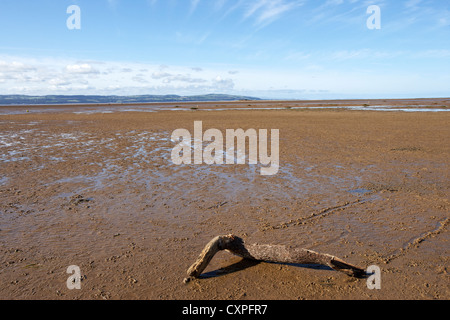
column 18, row 100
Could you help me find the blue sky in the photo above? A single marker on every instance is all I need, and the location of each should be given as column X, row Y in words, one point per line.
column 301, row 49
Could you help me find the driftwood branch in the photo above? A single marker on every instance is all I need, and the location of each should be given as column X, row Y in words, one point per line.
column 269, row 253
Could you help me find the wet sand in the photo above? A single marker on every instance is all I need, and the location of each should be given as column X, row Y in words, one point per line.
column 98, row 190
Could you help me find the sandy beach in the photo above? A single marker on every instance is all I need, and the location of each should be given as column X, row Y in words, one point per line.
column 94, row 186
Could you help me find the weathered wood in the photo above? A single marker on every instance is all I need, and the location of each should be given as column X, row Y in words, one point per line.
column 269, row 253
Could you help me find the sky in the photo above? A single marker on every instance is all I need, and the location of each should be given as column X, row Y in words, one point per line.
column 277, row 49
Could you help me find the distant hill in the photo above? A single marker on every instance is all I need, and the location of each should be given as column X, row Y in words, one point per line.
column 79, row 99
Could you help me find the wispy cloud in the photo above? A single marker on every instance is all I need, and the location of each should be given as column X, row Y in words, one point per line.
column 433, row 54
column 297, row 56
column 444, row 21
column 219, row 5
column 266, row 12
column 425, row 14
column 194, row 5
column 364, row 54
column 340, row 12
column 413, row 5
column 329, row 3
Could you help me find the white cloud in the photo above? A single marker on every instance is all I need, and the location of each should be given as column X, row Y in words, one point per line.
column 62, row 76
column 59, row 82
column 223, row 84
column 15, row 66
column 157, row 75
column 140, row 78
column 81, row 69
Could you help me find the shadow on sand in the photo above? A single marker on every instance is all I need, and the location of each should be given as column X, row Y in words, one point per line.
column 245, row 264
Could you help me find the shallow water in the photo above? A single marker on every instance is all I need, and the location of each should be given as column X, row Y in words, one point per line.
column 155, row 108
